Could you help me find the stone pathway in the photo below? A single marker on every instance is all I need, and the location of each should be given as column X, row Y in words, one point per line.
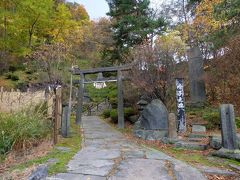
column 107, row 154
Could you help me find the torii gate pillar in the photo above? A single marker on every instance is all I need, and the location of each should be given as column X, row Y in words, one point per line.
column 80, row 101
column 120, row 100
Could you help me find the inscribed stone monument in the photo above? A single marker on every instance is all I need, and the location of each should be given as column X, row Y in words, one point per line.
column 229, row 136
column 196, row 72
column 155, row 116
column 153, row 122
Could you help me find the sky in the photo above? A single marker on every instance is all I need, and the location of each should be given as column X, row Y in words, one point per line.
column 97, row 8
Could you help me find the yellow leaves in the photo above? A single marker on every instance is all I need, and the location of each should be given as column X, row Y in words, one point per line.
column 171, row 44
column 204, row 22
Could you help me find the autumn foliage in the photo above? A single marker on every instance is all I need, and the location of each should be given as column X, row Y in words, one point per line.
column 222, row 75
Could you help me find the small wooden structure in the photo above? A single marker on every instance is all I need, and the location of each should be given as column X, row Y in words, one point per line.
column 82, row 73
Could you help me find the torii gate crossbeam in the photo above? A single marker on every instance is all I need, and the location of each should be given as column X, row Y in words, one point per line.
column 119, row 79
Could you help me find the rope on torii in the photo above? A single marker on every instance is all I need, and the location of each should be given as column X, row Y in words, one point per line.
column 81, row 82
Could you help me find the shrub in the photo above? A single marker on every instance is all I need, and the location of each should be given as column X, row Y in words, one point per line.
column 21, row 129
column 213, row 119
column 114, row 115
column 238, row 122
column 22, row 85
column 106, row 113
column 113, row 102
column 14, row 77
column 128, row 112
column 12, row 68
column 28, row 71
column 8, row 75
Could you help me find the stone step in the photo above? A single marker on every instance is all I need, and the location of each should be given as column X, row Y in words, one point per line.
column 195, row 139
column 193, row 135
column 216, row 171
column 191, row 145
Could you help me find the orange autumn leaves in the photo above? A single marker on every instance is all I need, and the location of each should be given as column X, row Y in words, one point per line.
column 203, row 23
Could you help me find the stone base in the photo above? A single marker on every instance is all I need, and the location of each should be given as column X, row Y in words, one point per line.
column 216, row 141
column 191, row 145
column 195, row 104
column 150, row 134
column 226, row 153
column 193, row 135
column 196, row 128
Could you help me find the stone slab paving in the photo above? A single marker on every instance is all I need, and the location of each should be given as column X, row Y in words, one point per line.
column 107, row 154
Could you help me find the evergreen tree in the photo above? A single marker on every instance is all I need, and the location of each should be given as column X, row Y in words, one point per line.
column 133, row 23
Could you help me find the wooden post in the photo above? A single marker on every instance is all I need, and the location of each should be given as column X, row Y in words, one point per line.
column 120, row 100
column 70, row 99
column 57, row 114
column 1, row 90
column 80, row 101
column 50, row 105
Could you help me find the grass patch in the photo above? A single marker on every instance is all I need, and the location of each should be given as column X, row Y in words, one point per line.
column 73, row 143
column 21, row 129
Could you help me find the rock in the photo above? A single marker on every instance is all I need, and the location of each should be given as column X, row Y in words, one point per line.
column 63, row 149
column 166, row 140
column 155, row 116
column 150, row 134
column 197, row 135
column 142, row 102
column 215, row 142
column 172, row 126
column 226, row 153
column 39, row 174
column 198, row 128
column 236, row 167
column 190, row 145
column 133, row 119
column 195, row 139
column 217, row 171
column 137, row 125
column 52, row 161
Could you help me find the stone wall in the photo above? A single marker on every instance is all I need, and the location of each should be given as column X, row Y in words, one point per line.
column 14, row 100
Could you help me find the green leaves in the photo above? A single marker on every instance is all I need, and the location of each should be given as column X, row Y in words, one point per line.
column 132, row 25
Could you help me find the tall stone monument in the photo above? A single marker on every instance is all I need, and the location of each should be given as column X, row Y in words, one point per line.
column 228, row 126
column 196, row 72
column 230, row 147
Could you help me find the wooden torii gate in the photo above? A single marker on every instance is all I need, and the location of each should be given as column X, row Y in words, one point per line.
column 82, row 73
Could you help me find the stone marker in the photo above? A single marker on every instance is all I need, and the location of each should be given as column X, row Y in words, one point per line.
column 141, row 105
column 65, row 126
column 40, row 173
column 155, row 116
column 180, row 105
column 228, row 130
column 197, row 86
column 215, row 142
column 196, row 128
column 172, row 126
